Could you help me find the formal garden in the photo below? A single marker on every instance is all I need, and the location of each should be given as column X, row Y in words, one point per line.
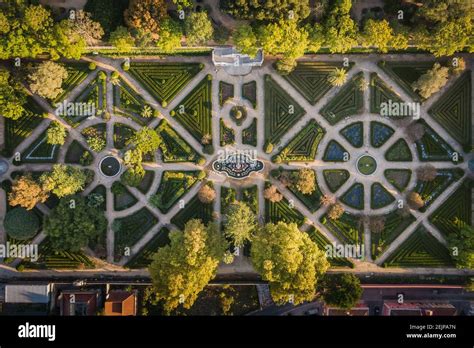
column 123, row 161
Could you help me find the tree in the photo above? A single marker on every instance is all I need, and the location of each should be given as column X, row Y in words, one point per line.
column 327, row 200
column 64, row 180
column 414, row 200
column 335, row 211
column 183, row 4
column 267, row 10
column 305, row 181
column 462, row 245
column 377, row 34
column 21, row 224
column 56, row 133
column 47, row 78
column 239, row 223
column 146, row 140
column 289, row 261
column 341, row 290
column 271, row 193
column 145, row 15
column 67, row 42
column 87, row 28
column 12, row 96
column 122, row 39
column 26, row 193
column 341, row 31
column 415, row 131
column 377, row 224
column 72, row 224
column 337, row 77
column 182, row 269
column 245, row 40
column 432, row 81
column 426, row 173
column 449, row 26
column 133, row 176
column 285, row 38
column 198, row 28
column 206, row 194
column 170, row 37
column 316, row 37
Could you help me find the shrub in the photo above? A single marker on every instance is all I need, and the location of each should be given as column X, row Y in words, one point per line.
column 21, row 224
column 414, row 200
column 125, row 66
column 92, row 66
column 118, row 188
column 201, row 161
column 335, row 211
column 164, row 104
column 268, row 147
column 208, row 149
column 206, row 194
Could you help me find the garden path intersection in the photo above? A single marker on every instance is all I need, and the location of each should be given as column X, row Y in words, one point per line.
column 365, row 64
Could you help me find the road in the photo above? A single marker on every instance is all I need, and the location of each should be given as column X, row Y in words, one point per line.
column 375, row 294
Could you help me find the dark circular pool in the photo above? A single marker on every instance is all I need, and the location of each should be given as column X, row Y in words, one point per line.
column 110, row 166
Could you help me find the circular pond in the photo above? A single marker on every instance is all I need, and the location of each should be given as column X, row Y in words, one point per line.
column 110, row 166
column 366, row 165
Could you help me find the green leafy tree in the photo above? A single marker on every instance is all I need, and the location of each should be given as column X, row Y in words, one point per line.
column 316, row 37
column 122, row 39
column 56, row 133
column 239, row 223
column 198, row 28
column 182, row 269
column 171, row 34
column 146, row 140
column 267, row 10
column 289, row 261
column 448, row 38
column 285, row 38
column 341, row 30
column 47, row 78
column 183, row 4
column 66, row 41
column 64, row 180
column 133, row 176
column 461, row 245
column 12, row 96
column 245, row 40
column 381, row 35
column 72, row 224
column 340, row 290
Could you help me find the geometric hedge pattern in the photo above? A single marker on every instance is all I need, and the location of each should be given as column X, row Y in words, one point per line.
column 349, row 101
column 457, row 209
column 420, row 248
column 164, row 81
column 311, row 79
column 380, row 93
column 281, row 111
column 195, row 111
column 304, row 146
column 453, row 110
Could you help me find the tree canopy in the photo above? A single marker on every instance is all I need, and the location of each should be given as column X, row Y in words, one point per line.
column 239, row 223
column 198, row 28
column 341, row 290
column 289, row 261
column 462, row 246
column 47, row 78
column 182, row 269
column 72, row 224
column 26, row 193
column 64, row 180
column 12, row 96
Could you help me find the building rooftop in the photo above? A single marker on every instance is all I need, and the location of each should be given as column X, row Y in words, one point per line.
column 27, row 293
